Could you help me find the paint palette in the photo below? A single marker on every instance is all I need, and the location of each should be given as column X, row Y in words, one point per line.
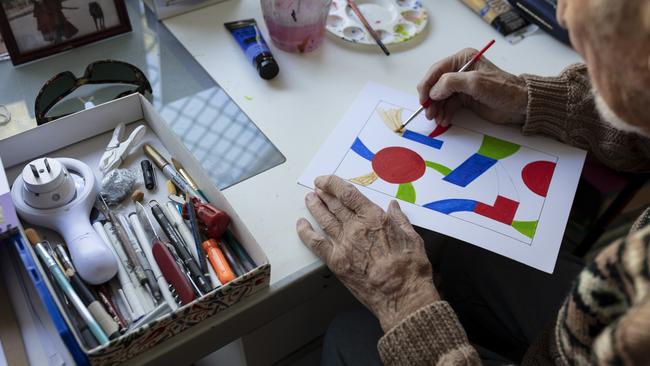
column 396, row 21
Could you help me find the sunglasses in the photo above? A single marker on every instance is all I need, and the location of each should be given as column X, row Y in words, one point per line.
column 99, row 72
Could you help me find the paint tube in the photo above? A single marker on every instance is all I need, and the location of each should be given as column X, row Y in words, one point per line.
column 250, row 40
column 502, row 17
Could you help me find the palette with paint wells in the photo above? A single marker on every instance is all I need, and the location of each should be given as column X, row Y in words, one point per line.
column 396, row 21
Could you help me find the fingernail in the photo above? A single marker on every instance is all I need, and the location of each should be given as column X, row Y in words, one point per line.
column 311, row 196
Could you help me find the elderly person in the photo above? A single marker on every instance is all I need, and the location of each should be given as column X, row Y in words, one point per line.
column 488, row 309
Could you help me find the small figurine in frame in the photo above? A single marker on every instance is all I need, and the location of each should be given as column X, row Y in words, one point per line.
column 32, row 29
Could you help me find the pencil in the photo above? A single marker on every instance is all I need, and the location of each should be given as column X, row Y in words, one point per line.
column 365, row 23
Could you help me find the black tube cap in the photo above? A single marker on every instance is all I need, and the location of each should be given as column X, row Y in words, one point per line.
column 268, row 68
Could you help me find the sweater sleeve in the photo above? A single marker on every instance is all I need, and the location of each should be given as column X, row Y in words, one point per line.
column 430, row 336
column 563, row 107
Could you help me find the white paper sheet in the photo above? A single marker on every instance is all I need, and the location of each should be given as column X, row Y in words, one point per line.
column 479, row 182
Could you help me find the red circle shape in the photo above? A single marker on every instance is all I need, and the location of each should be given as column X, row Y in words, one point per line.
column 537, row 176
column 398, row 165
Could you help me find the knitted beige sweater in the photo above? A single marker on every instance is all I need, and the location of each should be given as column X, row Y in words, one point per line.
column 588, row 330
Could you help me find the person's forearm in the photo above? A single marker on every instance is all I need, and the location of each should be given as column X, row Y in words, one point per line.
column 563, row 107
column 432, row 335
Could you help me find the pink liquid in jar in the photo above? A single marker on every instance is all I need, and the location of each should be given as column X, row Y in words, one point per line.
column 296, row 25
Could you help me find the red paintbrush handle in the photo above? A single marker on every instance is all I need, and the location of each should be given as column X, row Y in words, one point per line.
column 469, row 63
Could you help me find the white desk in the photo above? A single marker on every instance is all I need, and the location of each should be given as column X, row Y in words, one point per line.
column 297, row 110
column 300, row 107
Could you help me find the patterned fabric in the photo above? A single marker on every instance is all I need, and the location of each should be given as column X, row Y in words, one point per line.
column 146, row 337
column 444, row 344
column 606, row 318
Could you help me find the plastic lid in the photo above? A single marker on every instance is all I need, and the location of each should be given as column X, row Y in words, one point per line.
column 268, row 68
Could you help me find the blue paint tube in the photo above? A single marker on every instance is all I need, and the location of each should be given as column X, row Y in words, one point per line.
column 250, row 40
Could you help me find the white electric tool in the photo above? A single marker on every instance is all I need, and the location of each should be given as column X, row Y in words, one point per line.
column 59, row 194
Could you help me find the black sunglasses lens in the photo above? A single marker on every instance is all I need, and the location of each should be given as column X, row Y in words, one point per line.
column 104, row 72
column 52, row 91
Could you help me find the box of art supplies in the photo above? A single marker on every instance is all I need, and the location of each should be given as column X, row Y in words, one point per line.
column 124, row 235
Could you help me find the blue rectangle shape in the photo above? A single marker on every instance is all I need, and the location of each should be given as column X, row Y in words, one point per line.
column 360, row 148
column 426, row 140
column 469, row 170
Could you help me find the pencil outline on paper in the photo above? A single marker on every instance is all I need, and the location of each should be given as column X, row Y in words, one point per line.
column 535, row 175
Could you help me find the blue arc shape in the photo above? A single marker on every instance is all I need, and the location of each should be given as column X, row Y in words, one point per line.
column 452, row 205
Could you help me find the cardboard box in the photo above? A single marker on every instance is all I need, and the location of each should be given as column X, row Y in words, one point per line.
column 84, row 136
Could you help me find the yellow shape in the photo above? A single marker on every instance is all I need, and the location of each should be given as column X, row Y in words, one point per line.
column 365, row 180
column 392, row 119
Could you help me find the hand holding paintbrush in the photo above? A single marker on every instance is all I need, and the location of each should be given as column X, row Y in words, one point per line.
column 428, row 102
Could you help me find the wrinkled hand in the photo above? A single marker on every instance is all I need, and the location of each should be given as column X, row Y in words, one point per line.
column 490, row 92
column 376, row 254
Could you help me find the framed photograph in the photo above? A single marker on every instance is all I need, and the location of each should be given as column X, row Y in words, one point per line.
column 32, row 29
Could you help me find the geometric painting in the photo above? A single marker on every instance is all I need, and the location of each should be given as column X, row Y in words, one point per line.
column 488, row 181
column 476, row 181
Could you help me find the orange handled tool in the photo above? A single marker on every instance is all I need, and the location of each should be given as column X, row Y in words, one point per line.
column 218, row 261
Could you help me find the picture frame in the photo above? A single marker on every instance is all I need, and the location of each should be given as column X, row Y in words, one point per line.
column 33, row 29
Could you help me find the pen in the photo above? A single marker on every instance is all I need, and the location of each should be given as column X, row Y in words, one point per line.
column 132, row 302
column 144, row 233
column 177, row 220
column 168, row 170
column 194, row 226
column 188, row 178
column 176, row 241
column 85, row 334
column 234, row 263
column 246, row 260
column 467, row 65
column 108, row 324
column 143, row 296
column 142, row 260
column 51, row 265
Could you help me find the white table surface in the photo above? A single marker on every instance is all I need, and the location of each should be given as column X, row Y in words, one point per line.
column 299, row 108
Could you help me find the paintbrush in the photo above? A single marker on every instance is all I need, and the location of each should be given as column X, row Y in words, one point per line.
column 365, row 23
column 426, row 104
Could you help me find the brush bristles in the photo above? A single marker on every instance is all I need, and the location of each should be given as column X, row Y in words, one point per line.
column 32, row 236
